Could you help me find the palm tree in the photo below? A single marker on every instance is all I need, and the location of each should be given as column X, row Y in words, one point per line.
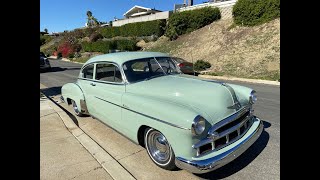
column 46, row 30
column 92, row 21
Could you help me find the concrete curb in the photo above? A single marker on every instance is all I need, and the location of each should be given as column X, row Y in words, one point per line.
column 68, row 60
column 113, row 167
column 64, row 59
column 256, row 81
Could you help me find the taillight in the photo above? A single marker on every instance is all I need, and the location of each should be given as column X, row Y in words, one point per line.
column 180, row 64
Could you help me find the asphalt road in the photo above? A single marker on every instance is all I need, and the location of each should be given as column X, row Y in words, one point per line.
column 260, row 161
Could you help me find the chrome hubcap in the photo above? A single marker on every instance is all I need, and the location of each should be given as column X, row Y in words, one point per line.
column 159, row 147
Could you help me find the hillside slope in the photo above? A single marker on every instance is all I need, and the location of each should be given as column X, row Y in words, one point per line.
column 249, row 52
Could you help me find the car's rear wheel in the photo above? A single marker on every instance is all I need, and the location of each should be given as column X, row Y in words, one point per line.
column 76, row 108
column 159, row 149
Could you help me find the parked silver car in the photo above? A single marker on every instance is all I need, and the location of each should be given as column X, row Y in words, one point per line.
column 44, row 62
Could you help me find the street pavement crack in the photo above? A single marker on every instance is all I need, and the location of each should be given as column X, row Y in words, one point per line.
column 48, row 114
column 130, row 155
column 84, row 173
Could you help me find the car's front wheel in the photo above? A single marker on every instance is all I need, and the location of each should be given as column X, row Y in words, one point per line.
column 159, row 149
column 76, row 108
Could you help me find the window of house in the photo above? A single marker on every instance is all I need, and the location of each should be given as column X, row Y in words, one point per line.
column 108, row 72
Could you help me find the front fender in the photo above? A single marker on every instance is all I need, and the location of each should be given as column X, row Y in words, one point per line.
column 172, row 119
column 74, row 92
column 242, row 92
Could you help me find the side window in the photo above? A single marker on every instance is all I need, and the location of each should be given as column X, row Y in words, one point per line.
column 87, row 72
column 108, row 72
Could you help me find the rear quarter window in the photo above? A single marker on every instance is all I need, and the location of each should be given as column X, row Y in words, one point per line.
column 87, row 72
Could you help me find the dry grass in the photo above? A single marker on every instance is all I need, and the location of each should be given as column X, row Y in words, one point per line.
column 249, row 52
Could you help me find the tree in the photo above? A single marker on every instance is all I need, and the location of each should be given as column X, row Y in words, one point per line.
column 46, row 30
column 92, row 21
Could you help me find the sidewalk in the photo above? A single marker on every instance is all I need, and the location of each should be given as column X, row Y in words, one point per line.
column 61, row 154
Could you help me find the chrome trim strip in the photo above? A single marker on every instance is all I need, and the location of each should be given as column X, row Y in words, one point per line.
column 104, row 82
column 236, row 104
column 124, row 107
column 210, row 164
column 114, row 129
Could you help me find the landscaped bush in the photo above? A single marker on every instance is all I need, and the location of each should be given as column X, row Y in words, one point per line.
column 44, row 39
column 95, row 36
column 98, row 46
column 105, row 46
column 201, row 65
column 135, row 29
column 126, row 45
column 65, row 49
column 89, row 30
column 183, row 22
column 59, row 55
column 71, row 56
column 254, row 12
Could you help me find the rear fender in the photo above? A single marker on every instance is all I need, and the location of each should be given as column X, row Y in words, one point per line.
column 72, row 91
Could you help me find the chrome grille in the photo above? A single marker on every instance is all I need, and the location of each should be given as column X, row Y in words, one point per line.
column 225, row 132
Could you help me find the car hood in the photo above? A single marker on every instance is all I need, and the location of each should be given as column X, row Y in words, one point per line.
column 211, row 99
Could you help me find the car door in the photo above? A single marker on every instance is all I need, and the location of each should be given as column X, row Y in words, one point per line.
column 108, row 90
column 85, row 80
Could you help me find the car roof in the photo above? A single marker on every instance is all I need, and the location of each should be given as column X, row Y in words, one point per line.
column 121, row 57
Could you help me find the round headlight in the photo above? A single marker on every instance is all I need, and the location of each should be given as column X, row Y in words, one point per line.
column 198, row 125
column 253, row 97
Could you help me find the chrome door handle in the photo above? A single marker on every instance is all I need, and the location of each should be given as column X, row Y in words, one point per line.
column 92, row 84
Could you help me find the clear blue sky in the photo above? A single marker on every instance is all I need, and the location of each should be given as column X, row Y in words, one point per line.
column 60, row 15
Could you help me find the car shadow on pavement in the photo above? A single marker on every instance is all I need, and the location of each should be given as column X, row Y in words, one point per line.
column 57, row 69
column 243, row 160
column 54, row 91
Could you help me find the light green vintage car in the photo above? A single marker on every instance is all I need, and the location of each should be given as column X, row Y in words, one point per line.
column 182, row 121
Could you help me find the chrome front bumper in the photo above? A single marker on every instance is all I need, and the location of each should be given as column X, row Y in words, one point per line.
column 210, row 164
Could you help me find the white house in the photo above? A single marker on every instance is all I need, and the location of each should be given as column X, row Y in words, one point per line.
column 137, row 11
column 141, row 14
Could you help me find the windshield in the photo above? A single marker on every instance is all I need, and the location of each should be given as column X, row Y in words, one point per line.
column 147, row 68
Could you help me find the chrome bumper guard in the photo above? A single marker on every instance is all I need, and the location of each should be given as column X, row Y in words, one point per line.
column 207, row 165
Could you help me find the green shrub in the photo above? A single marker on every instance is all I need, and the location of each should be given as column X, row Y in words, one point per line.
column 95, row 36
column 183, row 22
column 88, row 31
column 147, row 28
column 201, row 65
column 255, row 12
column 126, row 45
column 44, row 39
column 71, row 56
column 105, row 46
column 59, row 55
